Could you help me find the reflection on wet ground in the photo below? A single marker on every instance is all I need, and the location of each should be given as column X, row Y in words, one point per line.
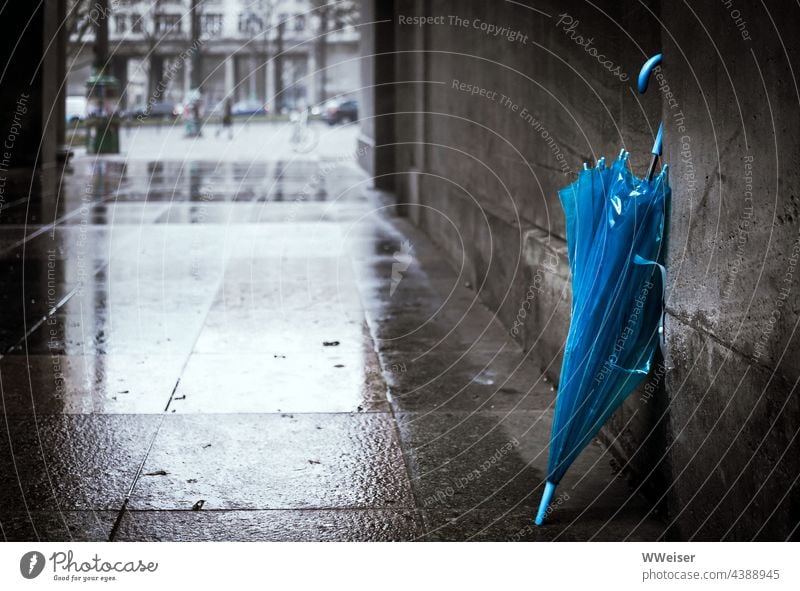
column 195, row 350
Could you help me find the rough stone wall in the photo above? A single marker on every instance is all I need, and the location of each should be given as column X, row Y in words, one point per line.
column 714, row 435
column 734, row 355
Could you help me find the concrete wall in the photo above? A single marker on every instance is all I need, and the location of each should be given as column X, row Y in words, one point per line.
column 733, row 306
column 719, row 430
column 377, row 97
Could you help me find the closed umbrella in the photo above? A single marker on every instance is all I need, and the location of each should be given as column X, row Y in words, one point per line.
column 615, row 231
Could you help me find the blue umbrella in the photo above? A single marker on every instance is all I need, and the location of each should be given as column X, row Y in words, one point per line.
column 615, row 226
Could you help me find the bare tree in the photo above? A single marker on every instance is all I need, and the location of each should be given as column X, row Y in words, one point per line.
column 77, row 22
column 196, row 72
column 263, row 14
column 101, row 35
column 148, row 26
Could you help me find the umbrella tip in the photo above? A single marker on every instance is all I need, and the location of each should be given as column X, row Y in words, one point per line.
column 547, row 496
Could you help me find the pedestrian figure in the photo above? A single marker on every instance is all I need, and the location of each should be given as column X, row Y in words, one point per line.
column 196, row 117
column 227, row 118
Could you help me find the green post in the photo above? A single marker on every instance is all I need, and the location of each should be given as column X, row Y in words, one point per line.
column 102, row 92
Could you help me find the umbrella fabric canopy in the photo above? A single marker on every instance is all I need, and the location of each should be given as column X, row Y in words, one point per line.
column 615, row 224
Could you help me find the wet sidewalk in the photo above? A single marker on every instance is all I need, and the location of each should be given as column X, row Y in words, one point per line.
column 262, row 351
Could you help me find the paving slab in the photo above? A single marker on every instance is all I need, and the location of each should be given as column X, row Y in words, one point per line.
column 343, row 525
column 88, row 384
column 274, row 461
column 334, row 379
column 131, row 333
column 462, row 463
column 443, row 379
column 70, row 462
column 57, row 526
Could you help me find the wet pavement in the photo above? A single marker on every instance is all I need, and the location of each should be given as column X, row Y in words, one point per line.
column 261, row 350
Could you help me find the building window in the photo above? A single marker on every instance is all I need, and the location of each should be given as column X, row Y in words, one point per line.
column 120, row 23
column 300, row 22
column 211, row 24
column 136, row 23
column 250, row 23
column 168, row 24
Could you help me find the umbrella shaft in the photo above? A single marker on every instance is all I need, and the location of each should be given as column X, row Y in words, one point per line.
column 652, row 170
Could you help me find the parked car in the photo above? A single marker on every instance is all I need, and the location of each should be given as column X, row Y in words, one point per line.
column 248, row 108
column 152, row 111
column 76, row 108
column 341, row 112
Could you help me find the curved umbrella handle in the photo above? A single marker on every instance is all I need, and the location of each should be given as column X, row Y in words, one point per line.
column 647, row 69
column 642, row 83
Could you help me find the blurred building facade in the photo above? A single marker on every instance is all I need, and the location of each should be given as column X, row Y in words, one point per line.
column 282, row 53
